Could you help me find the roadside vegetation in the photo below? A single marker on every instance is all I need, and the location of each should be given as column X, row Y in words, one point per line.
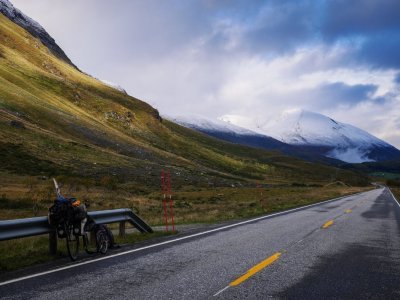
column 20, row 253
column 394, row 184
column 192, row 203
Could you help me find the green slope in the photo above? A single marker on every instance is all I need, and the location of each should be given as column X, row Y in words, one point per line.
column 57, row 120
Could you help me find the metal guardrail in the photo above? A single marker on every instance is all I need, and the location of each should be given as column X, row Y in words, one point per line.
column 12, row 229
column 120, row 215
column 19, row 228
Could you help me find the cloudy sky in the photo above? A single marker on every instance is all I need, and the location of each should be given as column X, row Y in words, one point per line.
column 247, row 58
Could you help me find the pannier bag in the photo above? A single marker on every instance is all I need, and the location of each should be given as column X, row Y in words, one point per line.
column 57, row 213
column 80, row 212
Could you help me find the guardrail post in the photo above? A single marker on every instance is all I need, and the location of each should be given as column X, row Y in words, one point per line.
column 122, row 229
column 53, row 243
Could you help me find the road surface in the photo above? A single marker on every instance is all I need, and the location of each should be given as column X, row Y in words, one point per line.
column 347, row 249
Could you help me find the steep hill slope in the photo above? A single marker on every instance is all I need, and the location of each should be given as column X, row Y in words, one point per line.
column 55, row 119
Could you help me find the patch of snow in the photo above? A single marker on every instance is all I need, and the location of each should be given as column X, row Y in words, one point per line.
column 113, row 85
column 206, row 124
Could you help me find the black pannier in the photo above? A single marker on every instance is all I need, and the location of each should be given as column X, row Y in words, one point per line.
column 58, row 212
column 80, row 212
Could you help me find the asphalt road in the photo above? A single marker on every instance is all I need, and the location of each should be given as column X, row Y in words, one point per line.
column 287, row 256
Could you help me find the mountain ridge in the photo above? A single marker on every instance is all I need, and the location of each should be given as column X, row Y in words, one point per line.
column 302, row 131
column 239, row 135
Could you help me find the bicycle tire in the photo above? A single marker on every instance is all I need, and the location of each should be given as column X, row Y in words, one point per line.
column 102, row 242
column 72, row 242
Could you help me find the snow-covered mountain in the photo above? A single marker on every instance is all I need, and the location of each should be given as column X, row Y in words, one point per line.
column 301, row 133
column 229, row 132
column 301, row 127
column 341, row 141
column 33, row 27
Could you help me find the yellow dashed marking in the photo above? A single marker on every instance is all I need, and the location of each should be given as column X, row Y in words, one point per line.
column 348, row 211
column 257, row 268
column 327, row 224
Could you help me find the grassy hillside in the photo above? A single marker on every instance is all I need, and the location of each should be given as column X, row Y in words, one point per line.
column 58, row 121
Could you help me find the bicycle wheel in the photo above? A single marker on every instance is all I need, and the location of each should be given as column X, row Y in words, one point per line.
column 102, row 242
column 72, row 242
column 90, row 247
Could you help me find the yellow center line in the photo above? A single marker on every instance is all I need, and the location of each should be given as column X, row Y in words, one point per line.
column 327, row 224
column 257, row 268
column 348, row 211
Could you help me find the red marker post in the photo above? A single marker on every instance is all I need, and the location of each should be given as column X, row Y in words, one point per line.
column 164, row 191
column 259, row 186
column 167, row 193
column 171, row 209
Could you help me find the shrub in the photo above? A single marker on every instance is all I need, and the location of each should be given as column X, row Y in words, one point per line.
column 109, row 182
column 393, row 182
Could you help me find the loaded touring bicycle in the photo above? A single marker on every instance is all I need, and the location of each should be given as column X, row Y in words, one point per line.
column 70, row 219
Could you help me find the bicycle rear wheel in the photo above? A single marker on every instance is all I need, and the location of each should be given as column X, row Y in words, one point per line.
column 102, row 242
column 72, row 242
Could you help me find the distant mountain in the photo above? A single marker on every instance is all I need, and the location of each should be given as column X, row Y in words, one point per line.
column 334, row 139
column 304, row 134
column 228, row 132
column 238, row 135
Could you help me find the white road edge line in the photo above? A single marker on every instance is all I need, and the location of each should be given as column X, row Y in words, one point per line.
column 394, row 198
column 219, row 292
column 174, row 240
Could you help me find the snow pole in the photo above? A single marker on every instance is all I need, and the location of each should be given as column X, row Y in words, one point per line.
column 171, row 209
column 164, row 192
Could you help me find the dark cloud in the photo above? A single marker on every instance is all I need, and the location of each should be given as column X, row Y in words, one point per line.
column 336, row 93
column 359, row 17
column 273, row 28
column 156, row 29
column 373, row 26
column 381, row 51
column 281, row 26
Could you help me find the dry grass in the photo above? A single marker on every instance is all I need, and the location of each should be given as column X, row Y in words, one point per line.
column 396, row 192
column 20, row 253
column 16, row 254
column 192, row 204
